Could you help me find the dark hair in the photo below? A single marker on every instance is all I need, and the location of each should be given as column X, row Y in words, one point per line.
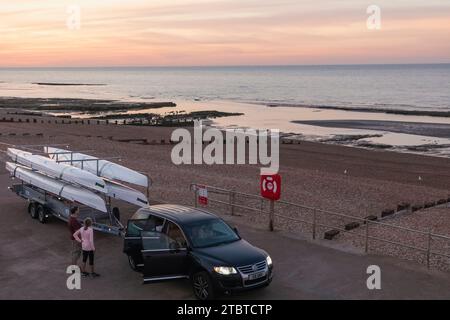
column 73, row 210
column 87, row 223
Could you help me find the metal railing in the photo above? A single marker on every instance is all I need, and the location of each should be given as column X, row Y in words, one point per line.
column 260, row 205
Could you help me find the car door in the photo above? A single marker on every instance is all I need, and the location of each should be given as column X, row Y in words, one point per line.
column 164, row 253
column 133, row 241
column 133, row 235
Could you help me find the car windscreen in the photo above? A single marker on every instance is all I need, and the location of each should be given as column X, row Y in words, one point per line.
column 211, row 232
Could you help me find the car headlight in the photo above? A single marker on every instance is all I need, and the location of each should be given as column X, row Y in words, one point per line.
column 225, row 270
column 269, row 260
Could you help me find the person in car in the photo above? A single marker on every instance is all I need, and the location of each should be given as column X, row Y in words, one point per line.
column 176, row 236
column 85, row 236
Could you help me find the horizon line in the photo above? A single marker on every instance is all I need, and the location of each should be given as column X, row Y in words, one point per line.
column 228, row 66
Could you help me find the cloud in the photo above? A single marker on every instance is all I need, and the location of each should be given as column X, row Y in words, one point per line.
column 198, row 32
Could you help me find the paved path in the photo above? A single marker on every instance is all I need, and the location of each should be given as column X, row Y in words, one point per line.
column 33, row 258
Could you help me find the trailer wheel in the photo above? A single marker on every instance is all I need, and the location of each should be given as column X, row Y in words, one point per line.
column 41, row 214
column 32, row 210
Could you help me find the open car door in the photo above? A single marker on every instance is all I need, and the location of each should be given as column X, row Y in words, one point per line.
column 133, row 238
column 164, row 258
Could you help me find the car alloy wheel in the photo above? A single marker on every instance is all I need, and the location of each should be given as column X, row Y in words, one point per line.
column 202, row 286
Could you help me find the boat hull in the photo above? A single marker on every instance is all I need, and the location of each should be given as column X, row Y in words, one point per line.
column 58, row 170
column 103, row 168
column 57, row 187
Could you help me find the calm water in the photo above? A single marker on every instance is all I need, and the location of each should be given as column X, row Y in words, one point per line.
column 376, row 86
column 249, row 89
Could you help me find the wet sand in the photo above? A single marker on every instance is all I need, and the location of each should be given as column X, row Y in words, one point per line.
column 89, row 106
column 439, row 130
column 391, row 111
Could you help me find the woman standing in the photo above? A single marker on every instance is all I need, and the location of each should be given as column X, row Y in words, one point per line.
column 85, row 235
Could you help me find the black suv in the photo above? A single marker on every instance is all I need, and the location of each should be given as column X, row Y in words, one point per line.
column 167, row 242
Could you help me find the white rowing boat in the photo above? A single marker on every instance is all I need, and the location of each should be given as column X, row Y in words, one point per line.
column 57, row 187
column 127, row 194
column 57, row 170
column 99, row 167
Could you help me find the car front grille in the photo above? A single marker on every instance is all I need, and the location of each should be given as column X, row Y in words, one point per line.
column 251, row 268
column 255, row 281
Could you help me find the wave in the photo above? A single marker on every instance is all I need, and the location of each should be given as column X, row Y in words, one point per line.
column 67, row 84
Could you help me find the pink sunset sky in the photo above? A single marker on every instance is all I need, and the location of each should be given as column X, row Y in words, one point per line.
column 222, row 32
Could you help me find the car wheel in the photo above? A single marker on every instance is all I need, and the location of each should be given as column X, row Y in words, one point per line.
column 32, row 210
column 132, row 263
column 202, row 285
column 41, row 214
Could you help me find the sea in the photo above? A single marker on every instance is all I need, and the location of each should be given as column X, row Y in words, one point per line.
column 270, row 97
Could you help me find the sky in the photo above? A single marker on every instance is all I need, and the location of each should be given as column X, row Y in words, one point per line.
column 46, row 33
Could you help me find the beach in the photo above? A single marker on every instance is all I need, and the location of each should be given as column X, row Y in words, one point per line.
column 352, row 181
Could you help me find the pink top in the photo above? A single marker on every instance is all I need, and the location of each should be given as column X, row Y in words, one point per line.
column 86, row 237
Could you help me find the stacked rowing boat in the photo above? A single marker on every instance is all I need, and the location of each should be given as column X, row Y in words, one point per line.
column 77, row 177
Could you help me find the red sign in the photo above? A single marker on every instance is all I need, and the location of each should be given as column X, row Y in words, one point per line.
column 202, row 195
column 271, row 186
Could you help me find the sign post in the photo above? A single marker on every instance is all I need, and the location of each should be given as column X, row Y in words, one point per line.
column 271, row 189
column 202, row 192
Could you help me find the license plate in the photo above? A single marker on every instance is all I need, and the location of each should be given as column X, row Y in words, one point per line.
column 257, row 275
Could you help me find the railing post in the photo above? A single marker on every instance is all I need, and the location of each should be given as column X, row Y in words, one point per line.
column 231, row 201
column 195, row 196
column 367, row 236
column 314, row 224
column 429, row 250
column 271, row 215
